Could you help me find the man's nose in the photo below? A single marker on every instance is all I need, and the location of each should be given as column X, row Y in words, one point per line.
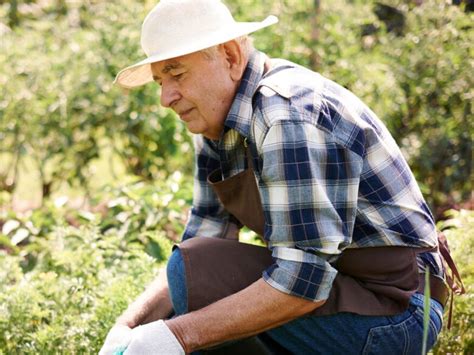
column 169, row 94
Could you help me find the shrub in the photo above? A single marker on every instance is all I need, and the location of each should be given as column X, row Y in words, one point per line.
column 59, row 107
column 459, row 230
column 433, row 68
column 139, row 213
column 82, row 281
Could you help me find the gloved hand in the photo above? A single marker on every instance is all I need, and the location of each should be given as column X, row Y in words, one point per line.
column 154, row 338
column 117, row 340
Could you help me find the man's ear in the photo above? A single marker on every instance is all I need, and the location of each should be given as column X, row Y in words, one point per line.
column 235, row 58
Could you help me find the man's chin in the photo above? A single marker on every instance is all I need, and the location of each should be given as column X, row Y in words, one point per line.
column 196, row 129
column 193, row 129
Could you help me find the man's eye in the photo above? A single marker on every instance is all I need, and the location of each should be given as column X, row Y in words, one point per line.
column 178, row 75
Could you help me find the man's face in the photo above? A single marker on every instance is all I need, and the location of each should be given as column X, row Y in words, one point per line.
column 199, row 89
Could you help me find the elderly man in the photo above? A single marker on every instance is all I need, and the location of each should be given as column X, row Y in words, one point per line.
column 306, row 165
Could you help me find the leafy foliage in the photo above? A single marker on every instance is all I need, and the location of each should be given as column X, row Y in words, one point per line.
column 433, row 65
column 139, row 214
column 61, row 103
column 459, row 230
column 67, row 272
column 59, row 107
column 84, row 278
column 140, row 211
column 82, row 281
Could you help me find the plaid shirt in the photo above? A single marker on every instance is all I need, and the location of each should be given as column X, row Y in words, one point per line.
column 329, row 173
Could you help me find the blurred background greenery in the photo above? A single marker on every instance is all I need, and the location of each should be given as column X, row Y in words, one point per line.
column 95, row 182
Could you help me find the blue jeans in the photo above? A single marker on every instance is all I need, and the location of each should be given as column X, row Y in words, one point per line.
column 341, row 333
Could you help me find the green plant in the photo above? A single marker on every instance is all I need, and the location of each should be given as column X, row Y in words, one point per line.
column 139, row 213
column 66, row 304
column 67, row 272
column 58, row 105
column 459, row 230
column 432, row 65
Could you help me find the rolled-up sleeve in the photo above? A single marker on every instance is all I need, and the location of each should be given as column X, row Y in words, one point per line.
column 309, row 188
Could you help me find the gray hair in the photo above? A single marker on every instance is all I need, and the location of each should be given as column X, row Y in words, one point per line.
column 245, row 42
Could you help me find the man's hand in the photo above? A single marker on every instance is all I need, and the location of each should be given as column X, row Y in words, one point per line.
column 117, row 340
column 153, row 338
column 151, row 305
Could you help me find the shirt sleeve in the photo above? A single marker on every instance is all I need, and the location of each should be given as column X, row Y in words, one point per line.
column 207, row 217
column 309, row 186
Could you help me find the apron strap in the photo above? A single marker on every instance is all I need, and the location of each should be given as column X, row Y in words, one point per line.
column 454, row 280
column 248, row 155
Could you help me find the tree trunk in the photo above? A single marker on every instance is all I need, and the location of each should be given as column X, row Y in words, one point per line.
column 315, row 60
column 13, row 14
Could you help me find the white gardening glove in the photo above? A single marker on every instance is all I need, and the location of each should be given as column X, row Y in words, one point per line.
column 154, row 338
column 117, row 340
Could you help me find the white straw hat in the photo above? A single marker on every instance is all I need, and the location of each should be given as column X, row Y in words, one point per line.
column 178, row 27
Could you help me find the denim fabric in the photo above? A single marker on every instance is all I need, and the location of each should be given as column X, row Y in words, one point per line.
column 348, row 333
column 342, row 333
column 176, row 275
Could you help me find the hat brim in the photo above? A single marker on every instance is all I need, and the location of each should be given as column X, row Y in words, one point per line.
column 140, row 73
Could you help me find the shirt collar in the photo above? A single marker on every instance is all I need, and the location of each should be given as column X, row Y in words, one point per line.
column 241, row 111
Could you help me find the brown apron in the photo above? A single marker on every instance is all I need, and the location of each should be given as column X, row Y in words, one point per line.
column 370, row 281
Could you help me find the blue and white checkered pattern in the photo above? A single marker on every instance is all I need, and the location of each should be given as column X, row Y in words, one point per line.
column 329, row 173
